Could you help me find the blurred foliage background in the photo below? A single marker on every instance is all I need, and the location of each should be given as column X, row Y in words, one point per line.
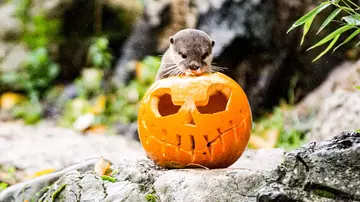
column 69, row 53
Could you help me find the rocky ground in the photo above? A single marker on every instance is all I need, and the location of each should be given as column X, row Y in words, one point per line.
column 34, row 148
column 323, row 171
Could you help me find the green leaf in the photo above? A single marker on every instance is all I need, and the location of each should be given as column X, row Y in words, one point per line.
column 306, row 29
column 57, row 192
column 309, row 15
column 329, row 19
column 10, row 78
column 328, row 48
column 355, row 33
column 352, row 19
column 358, row 43
column 357, row 87
column 53, row 71
column 108, row 178
column 333, row 34
column 102, row 43
column 3, row 186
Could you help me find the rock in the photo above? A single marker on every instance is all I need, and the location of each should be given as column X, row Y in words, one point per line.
column 134, row 7
column 35, row 148
column 343, row 77
column 16, row 192
column 339, row 112
column 10, row 25
column 52, row 8
column 260, row 159
column 331, row 107
column 324, row 171
column 228, row 17
column 128, row 130
column 136, row 47
column 12, row 56
column 137, row 180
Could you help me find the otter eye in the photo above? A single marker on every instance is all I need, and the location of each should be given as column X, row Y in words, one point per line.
column 205, row 56
column 182, row 55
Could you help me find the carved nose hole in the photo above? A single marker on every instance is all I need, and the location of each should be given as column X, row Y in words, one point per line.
column 166, row 107
column 189, row 119
column 217, row 103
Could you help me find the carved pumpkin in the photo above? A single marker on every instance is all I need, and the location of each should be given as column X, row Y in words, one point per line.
column 195, row 121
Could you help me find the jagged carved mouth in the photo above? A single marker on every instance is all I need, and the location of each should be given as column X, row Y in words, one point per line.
column 217, row 102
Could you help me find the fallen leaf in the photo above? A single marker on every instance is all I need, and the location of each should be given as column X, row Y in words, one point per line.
column 40, row 173
column 267, row 140
column 96, row 129
column 99, row 106
column 9, row 100
column 101, row 167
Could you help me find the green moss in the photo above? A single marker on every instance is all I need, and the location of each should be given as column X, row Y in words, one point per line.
column 324, row 193
column 3, row 186
column 57, row 192
column 108, row 178
column 151, row 198
column 38, row 196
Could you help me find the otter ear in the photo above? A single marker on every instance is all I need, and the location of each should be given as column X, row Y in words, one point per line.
column 171, row 39
column 212, row 43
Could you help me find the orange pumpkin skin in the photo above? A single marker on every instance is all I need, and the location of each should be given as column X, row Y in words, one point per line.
column 195, row 121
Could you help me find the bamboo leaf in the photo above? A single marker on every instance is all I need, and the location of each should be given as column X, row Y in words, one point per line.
column 331, row 36
column 329, row 19
column 328, row 48
column 354, row 4
column 306, row 29
column 352, row 19
column 309, row 15
column 355, row 33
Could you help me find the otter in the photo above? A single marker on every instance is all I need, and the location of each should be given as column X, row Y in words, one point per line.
column 189, row 53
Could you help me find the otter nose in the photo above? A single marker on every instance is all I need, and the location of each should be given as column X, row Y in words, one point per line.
column 194, row 66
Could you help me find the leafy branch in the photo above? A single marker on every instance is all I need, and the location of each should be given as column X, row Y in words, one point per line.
column 350, row 21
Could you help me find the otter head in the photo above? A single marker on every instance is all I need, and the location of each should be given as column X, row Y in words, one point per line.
column 192, row 51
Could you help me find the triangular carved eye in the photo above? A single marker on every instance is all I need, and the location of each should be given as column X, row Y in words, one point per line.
column 165, row 105
column 217, row 103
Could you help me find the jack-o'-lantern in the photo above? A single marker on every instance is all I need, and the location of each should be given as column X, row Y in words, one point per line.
column 187, row 121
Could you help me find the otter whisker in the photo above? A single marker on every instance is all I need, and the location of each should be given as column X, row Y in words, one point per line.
column 170, row 70
column 176, row 71
column 218, row 68
column 179, row 73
